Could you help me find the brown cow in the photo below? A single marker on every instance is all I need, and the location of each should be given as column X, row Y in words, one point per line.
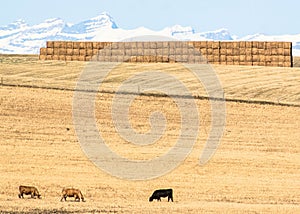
column 71, row 192
column 29, row 190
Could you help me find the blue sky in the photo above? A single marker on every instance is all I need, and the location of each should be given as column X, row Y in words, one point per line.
column 238, row 16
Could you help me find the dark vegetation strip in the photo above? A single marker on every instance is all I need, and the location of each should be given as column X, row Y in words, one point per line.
column 260, row 102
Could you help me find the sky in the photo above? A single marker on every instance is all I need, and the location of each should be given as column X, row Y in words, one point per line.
column 240, row 17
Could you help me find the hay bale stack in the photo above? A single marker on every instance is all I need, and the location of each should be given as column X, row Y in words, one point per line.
column 49, row 44
column 76, row 45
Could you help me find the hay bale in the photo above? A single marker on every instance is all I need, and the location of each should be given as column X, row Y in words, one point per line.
column 128, row 52
column 287, row 45
column 146, row 52
column 242, row 58
column 50, row 51
column 236, row 45
column 262, row 63
column 236, row 51
column 55, row 57
column 159, row 45
column 43, row 51
column 89, row 52
column 210, row 58
column 255, row 44
column 165, row 52
column 89, row 45
column 216, row 45
column 159, row 52
column 49, row 57
column 159, row 58
column 134, row 52
column 255, row 51
column 172, row 51
column 274, row 52
column 88, row 58
column 68, row 58
column 69, row 45
column 268, row 58
column 191, row 59
column 261, row 45
column 280, row 51
column 242, row 51
column 50, row 44
column 140, row 52
column 242, row 44
column 248, row 44
column 229, row 52
column 76, row 52
column 82, row 45
column 113, row 58
column 127, row 45
column 96, row 45
column 140, row 45
column 287, row 52
column 261, row 51
column 223, row 51
column 255, row 58
column 121, row 45
column 152, row 45
column 216, row 59
column 178, row 44
column 69, row 52
column 100, row 58
column 185, row 51
column 288, row 59
column 261, row 58
column 56, row 44
column 62, row 51
column 229, row 45
column 248, row 51
column 165, row 58
column 216, row 52
column 165, row 45
column 95, row 52
column 153, row 59
column 55, row 51
column 223, row 58
column 196, row 44
column 178, row 51
column 209, row 51
column 115, row 46
column 81, row 58
column 255, row 64
column 236, row 58
column 76, row 45
column 42, row 57
column 75, row 58
column 82, row 52
column 172, row 45
column 62, row 58
column 171, row 58
column 223, row 45
column 287, row 64
column 248, row 58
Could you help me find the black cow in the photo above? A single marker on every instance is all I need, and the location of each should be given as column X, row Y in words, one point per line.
column 157, row 194
column 28, row 190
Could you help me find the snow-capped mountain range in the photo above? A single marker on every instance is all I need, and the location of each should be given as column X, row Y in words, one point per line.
column 20, row 38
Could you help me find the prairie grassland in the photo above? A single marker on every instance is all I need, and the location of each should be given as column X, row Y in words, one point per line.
column 256, row 168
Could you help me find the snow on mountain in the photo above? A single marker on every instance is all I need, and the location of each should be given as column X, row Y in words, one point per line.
column 20, row 38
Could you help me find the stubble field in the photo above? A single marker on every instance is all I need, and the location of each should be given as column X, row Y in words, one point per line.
column 256, row 168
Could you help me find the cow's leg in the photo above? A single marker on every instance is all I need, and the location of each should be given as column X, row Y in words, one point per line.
column 63, row 197
column 20, row 196
column 159, row 199
column 32, row 195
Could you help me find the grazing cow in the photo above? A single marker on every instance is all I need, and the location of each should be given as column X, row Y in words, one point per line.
column 29, row 190
column 157, row 194
column 71, row 192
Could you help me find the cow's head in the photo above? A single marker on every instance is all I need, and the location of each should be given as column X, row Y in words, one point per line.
column 151, row 199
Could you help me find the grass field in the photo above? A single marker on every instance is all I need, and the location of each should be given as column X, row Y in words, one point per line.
column 256, row 168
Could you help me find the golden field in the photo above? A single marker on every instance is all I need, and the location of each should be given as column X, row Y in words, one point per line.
column 256, row 168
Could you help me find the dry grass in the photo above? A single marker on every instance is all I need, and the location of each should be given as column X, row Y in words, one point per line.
column 255, row 169
column 296, row 61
